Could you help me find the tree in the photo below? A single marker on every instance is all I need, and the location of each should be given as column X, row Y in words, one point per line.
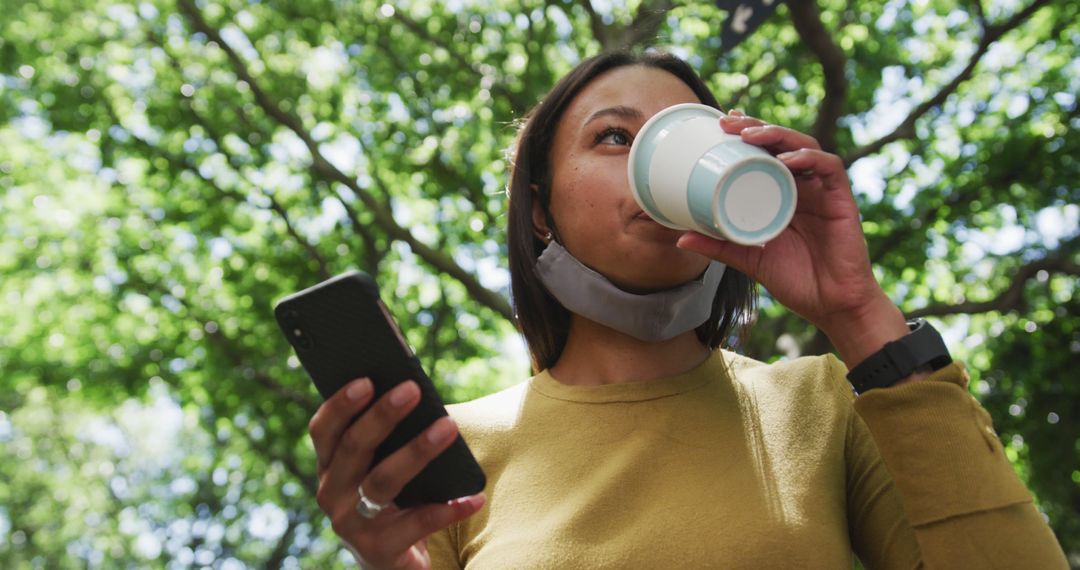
column 168, row 170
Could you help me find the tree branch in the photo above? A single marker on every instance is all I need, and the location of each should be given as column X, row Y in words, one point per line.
column 1012, row 298
column 439, row 167
column 281, row 549
column 440, row 313
column 646, row 23
column 217, row 138
column 277, row 207
column 733, row 102
column 306, row 479
column 519, row 105
column 373, row 255
column 381, row 213
column 807, row 20
column 536, row 60
column 141, row 286
column 980, row 13
column 644, row 27
column 222, row 342
column 184, row 164
column 954, row 198
column 906, row 129
column 596, row 22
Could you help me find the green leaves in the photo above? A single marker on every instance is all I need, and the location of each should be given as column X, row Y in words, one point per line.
column 169, row 170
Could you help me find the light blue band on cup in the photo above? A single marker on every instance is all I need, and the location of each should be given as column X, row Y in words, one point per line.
column 643, row 160
column 711, row 171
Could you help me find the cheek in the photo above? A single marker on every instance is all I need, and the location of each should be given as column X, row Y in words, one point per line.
column 573, row 191
column 584, row 188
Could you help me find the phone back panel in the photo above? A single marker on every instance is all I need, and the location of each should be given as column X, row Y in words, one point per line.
column 341, row 331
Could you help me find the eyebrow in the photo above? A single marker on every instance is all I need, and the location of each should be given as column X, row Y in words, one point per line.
column 619, row 111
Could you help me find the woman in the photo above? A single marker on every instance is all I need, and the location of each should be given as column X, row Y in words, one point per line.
column 638, row 446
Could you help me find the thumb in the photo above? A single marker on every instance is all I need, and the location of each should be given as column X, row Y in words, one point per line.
column 744, row 258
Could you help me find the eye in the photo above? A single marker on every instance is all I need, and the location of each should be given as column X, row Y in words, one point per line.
column 614, row 135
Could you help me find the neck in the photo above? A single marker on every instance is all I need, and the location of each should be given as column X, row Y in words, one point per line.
column 596, row 354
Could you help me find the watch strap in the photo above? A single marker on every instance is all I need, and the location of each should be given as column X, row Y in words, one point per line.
column 898, row 359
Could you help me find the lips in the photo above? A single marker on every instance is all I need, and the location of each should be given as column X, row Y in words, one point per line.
column 643, row 216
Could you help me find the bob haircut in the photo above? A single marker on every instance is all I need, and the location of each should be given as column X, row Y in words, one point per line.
column 542, row 320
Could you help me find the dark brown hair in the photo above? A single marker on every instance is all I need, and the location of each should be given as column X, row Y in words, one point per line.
column 543, row 321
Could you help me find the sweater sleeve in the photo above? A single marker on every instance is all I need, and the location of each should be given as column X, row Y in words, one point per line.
column 442, row 549
column 953, row 500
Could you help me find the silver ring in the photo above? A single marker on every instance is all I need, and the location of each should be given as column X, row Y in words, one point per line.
column 366, row 507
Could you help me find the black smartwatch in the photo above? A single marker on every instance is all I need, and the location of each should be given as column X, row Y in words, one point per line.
column 922, row 347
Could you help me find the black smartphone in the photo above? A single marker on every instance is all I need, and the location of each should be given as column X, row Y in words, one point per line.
column 341, row 331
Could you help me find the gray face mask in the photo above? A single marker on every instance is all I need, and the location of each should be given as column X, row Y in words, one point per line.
column 652, row 317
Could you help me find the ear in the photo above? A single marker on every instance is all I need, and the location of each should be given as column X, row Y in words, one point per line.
column 539, row 217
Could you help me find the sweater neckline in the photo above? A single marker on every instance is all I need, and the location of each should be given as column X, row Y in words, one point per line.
column 710, row 370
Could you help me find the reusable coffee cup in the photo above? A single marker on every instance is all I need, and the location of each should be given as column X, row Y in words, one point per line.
column 686, row 173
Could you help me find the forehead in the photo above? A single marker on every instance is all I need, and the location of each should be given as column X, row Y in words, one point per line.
column 646, row 89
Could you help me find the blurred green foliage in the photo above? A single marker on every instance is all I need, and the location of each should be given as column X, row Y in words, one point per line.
column 168, row 170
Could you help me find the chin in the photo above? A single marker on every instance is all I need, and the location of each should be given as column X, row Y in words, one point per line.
column 671, row 264
column 648, row 265
column 663, row 277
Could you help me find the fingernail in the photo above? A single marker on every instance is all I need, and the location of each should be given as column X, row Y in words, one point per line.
column 785, row 155
column 753, row 130
column 359, row 389
column 474, row 502
column 400, row 395
column 477, row 501
column 440, row 432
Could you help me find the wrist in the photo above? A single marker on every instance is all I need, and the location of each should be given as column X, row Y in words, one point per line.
column 903, row 360
column 858, row 334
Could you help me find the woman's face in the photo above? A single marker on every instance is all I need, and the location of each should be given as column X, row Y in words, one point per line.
column 591, row 204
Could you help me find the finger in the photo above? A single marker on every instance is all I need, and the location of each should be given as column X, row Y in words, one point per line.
column 824, row 165
column 362, row 536
column 778, row 139
column 745, row 258
column 386, row 479
column 733, row 124
column 399, row 541
column 414, row 557
column 357, row 446
column 415, row 524
column 334, row 415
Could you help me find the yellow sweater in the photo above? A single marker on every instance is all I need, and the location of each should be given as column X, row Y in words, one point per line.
column 769, row 466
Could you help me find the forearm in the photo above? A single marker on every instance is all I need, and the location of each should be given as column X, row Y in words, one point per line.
column 1014, row 536
column 957, row 486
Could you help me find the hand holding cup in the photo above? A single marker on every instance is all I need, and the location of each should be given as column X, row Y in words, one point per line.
column 818, row 266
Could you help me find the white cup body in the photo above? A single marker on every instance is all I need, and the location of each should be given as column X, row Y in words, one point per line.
column 687, row 173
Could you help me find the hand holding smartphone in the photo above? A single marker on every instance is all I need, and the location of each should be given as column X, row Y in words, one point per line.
column 341, row 331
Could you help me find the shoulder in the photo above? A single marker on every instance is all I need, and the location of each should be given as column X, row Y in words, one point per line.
column 494, row 412
column 803, row 406
column 803, row 378
column 488, row 425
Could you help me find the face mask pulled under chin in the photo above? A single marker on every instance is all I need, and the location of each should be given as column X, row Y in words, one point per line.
column 652, row 317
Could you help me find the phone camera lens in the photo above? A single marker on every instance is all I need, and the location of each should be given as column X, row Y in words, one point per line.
column 300, row 339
